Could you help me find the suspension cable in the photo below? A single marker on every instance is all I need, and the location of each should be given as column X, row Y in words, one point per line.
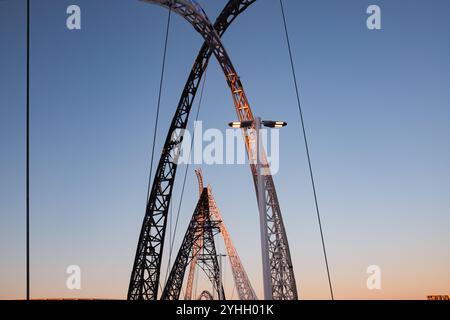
column 172, row 240
column 161, row 81
column 27, row 165
column 306, row 147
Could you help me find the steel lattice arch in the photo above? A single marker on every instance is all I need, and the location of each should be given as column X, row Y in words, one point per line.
column 145, row 277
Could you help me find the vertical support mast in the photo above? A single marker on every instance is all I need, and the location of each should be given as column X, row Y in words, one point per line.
column 267, row 279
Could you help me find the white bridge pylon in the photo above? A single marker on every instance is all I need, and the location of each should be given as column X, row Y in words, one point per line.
column 241, row 280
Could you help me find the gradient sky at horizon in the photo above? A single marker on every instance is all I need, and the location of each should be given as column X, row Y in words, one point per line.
column 377, row 110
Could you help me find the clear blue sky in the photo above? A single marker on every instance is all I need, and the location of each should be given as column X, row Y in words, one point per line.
column 377, row 110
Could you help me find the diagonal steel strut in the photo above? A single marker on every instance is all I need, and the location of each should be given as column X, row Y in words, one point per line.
column 144, row 281
column 282, row 274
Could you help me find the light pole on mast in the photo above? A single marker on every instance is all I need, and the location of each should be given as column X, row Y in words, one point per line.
column 257, row 124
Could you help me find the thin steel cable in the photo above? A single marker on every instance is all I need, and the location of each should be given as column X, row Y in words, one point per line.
column 161, row 81
column 185, row 176
column 307, row 148
column 28, row 157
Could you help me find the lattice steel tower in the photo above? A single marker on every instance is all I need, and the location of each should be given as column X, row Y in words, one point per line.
column 198, row 250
